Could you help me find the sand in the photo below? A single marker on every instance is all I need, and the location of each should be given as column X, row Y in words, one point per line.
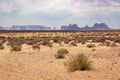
column 31, row 64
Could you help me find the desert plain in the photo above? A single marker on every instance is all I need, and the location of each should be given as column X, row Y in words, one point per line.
column 21, row 60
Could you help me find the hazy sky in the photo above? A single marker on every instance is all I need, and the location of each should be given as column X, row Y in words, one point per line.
column 55, row 13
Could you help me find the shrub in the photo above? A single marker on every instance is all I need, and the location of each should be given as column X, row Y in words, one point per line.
column 56, row 41
column 45, row 42
column 100, row 39
column 59, row 56
column 73, row 43
column 1, row 46
column 16, row 48
column 60, row 53
column 29, row 42
column 12, row 43
column 93, row 49
column 36, row 46
column 113, row 45
column 4, row 40
column 80, row 62
column 1, row 43
column 91, row 45
column 83, row 42
column 117, row 40
column 107, row 43
column 66, row 41
column 50, row 45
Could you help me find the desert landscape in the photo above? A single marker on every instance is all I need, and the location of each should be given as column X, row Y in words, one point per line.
column 46, row 55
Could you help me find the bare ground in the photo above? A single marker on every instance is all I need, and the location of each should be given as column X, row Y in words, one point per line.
column 31, row 64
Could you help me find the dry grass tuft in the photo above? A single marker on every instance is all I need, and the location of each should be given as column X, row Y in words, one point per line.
column 80, row 62
column 60, row 53
column 91, row 45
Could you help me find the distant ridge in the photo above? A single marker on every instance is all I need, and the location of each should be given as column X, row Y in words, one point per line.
column 96, row 26
column 30, row 27
column 1, row 28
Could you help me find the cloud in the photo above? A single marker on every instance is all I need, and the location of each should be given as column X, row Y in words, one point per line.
column 61, row 7
column 100, row 3
column 5, row 6
column 86, row 7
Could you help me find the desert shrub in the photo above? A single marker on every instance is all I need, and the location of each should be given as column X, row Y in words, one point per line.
column 100, row 39
column 1, row 46
column 110, row 38
column 82, row 35
column 4, row 40
column 36, row 46
column 73, row 43
column 117, row 40
column 66, row 41
column 60, row 53
column 16, row 48
column 80, row 62
column 21, row 40
column 15, row 42
column 107, row 43
column 56, row 41
column 12, row 43
column 50, row 45
column 59, row 56
column 113, row 45
column 83, row 42
column 45, row 42
column 29, row 42
column 91, row 45
column 93, row 49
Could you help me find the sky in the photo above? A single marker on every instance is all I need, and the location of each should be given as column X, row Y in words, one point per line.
column 55, row 13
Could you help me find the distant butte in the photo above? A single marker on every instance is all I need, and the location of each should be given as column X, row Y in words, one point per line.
column 96, row 26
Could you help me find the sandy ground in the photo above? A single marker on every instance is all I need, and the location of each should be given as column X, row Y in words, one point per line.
column 31, row 64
